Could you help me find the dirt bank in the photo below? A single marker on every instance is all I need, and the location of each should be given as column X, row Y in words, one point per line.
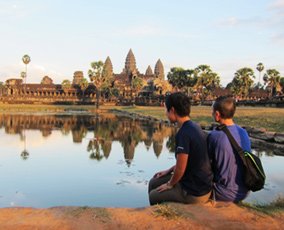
column 220, row 216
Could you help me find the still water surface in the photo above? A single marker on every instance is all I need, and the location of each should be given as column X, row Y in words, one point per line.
column 93, row 160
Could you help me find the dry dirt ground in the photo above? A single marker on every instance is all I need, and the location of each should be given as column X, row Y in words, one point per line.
column 220, row 216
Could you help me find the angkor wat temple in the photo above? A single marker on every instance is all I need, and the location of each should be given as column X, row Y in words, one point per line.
column 154, row 86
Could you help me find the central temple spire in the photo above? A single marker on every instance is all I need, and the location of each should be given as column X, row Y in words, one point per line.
column 130, row 63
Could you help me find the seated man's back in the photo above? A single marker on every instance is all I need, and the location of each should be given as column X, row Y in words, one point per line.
column 227, row 165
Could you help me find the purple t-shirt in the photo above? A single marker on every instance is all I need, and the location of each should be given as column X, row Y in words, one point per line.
column 226, row 164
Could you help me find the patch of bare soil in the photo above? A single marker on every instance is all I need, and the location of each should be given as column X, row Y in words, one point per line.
column 220, row 216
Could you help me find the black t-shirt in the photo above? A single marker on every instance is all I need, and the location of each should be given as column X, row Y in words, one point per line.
column 198, row 176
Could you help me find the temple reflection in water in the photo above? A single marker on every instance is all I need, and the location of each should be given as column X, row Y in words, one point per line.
column 106, row 129
column 80, row 160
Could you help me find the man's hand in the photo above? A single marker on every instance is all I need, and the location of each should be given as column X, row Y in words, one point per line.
column 164, row 187
column 161, row 174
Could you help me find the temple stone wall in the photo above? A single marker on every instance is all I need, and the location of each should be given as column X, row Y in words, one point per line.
column 48, row 92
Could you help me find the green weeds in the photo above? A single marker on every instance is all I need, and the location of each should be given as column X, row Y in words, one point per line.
column 101, row 214
column 275, row 207
column 166, row 211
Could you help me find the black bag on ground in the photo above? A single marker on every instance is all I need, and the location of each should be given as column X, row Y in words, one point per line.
column 254, row 173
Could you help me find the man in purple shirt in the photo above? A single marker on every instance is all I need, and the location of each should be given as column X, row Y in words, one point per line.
column 226, row 163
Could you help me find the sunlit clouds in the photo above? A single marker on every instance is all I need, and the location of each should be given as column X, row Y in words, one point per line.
column 35, row 73
column 62, row 37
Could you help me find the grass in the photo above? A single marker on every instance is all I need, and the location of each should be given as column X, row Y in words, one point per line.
column 44, row 108
column 274, row 208
column 172, row 211
column 166, row 211
column 101, row 213
column 271, row 119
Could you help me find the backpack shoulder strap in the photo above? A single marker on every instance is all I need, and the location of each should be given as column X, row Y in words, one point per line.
column 232, row 140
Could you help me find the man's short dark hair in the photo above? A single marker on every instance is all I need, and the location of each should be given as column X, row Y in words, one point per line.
column 180, row 102
column 226, row 107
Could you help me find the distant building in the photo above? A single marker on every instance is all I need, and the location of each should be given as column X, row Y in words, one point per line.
column 123, row 80
column 154, row 84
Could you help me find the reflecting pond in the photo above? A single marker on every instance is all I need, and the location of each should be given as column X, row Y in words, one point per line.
column 102, row 160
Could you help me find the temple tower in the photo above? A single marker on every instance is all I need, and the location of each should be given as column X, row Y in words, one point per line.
column 149, row 71
column 46, row 80
column 130, row 64
column 108, row 67
column 159, row 70
column 77, row 76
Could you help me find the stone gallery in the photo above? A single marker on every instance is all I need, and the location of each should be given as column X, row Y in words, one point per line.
column 154, row 87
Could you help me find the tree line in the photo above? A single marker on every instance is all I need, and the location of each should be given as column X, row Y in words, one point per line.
column 204, row 81
column 201, row 80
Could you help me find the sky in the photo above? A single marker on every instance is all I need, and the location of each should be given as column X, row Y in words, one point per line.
column 62, row 36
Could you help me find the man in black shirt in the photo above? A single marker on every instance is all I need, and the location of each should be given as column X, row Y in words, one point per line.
column 189, row 181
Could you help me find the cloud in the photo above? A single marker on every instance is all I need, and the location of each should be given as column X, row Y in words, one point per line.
column 235, row 23
column 35, row 73
column 278, row 7
column 272, row 22
column 189, row 36
column 5, row 9
column 277, row 20
column 12, row 11
column 143, row 30
column 278, row 3
column 262, row 58
column 146, row 30
column 16, row 11
column 277, row 11
column 39, row 68
column 278, row 39
column 229, row 23
column 34, row 139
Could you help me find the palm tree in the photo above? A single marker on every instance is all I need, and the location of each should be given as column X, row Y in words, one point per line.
column 66, row 85
column 243, row 77
column 137, row 84
column 235, row 86
column 176, row 77
column 104, row 88
column 282, row 83
column 114, row 92
column 23, row 74
column 212, row 83
column 260, row 68
column 98, row 76
column 180, row 78
column 95, row 144
column 206, row 79
column 190, row 79
column 83, row 83
column 272, row 78
column 26, row 59
column 202, row 73
column 25, row 153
